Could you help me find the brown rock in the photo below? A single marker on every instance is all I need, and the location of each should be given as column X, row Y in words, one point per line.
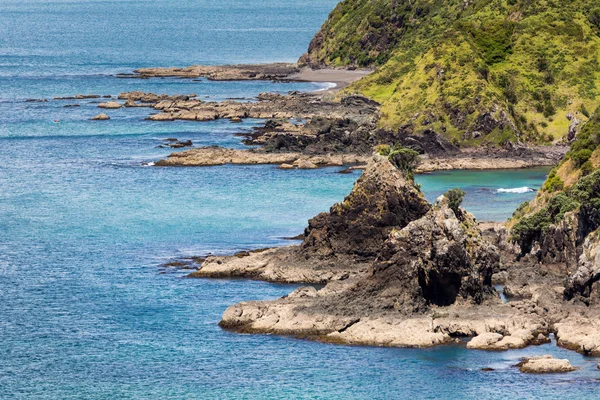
column 545, row 364
column 101, row 117
column 110, row 105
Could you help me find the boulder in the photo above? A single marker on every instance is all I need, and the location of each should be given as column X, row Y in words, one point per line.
column 101, row 117
column 161, row 117
column 110, row 105
column 286, row 166
column 305, row 164
column 545, row 364
column 484, row 341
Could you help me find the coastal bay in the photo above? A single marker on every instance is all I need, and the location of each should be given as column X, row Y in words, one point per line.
column 92, row 304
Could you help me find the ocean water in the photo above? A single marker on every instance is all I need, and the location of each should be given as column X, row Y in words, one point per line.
column 86, row 311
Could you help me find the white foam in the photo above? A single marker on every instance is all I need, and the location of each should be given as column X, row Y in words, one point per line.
column 149, row 164
column 524, row 189
column 326, row 86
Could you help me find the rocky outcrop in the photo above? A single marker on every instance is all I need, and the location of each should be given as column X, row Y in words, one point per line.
column 580, row 333
column 110, row 105
column 268, row 106
column 584, row 283
column 242, row 72
column 545, row 364
column 338, row 244
column 382, row 200
column 208, row 156
column 101, row 117
column 434, row 267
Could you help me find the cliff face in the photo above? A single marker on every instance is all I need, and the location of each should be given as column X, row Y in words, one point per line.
column 475, row 71
column 560, row 226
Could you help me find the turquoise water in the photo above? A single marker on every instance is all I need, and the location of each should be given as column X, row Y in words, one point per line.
column 490, row 195
column 85, row 309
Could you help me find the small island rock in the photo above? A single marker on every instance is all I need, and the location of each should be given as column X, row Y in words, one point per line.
column 101, row 117
column 110, row 105
column 545, row 364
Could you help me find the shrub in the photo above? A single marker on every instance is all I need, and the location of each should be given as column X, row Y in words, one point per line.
column 587, row 168
column 554, row 184
column 580, row 157
column 383, row 149
column 404, row 159
column 455, row 198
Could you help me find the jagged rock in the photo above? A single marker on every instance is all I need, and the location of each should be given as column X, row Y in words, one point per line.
column 382, row 200
column 430, row 143
column 101, row 117
column 585, row 281
column 545, row 364
column 438, row 259
column 573, row 129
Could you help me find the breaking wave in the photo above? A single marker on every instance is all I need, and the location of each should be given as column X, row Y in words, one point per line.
column 516, row 190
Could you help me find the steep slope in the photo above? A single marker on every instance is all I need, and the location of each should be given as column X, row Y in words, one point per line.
column 560, row 227
column 488, row 71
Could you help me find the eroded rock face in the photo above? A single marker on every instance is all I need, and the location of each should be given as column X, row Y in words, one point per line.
column 382, row 200
column 439, row 259
column 584, row 283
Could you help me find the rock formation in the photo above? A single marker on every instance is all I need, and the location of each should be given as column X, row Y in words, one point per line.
column 545, row 364
column 338, row 244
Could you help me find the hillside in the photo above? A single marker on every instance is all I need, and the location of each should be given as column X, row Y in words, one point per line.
column 478, row 71
column 560, row 226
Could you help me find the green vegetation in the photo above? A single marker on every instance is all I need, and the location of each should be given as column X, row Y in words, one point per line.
column 403, row 158
column 483, row 71
column 558, row 199
column 455, row 198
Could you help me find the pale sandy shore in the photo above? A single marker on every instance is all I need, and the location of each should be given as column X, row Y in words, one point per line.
column 340, row 77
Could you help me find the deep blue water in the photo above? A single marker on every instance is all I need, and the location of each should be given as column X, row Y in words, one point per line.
column 85, row 311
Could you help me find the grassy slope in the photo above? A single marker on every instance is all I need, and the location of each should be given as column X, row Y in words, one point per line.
column 508, row 69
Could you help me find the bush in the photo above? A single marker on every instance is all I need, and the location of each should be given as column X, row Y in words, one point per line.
column 404, row 159
column 554, row 184
column 580, row 157
column 587, row 168
column 455, row 198
column 383, row 149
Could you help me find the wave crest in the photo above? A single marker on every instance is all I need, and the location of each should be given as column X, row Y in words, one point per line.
column 524, row 189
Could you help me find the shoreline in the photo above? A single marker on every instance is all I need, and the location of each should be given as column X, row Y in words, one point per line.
column 277, row 72
column 368, row 260
column 212, row 156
